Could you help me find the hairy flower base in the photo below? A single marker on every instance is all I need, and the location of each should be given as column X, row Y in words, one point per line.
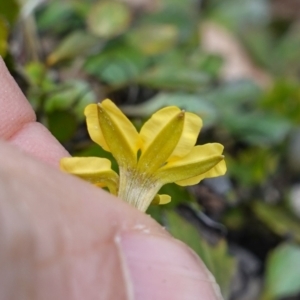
column 138, row 189
column 162, row 152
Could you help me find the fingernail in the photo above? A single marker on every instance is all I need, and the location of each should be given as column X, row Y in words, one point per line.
column 163, row 268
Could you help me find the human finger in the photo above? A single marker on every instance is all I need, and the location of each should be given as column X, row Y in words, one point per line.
column 62, row 238
column 18, row 126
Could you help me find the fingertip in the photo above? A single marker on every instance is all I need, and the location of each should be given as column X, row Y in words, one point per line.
column 15, row 110
column 164, row 268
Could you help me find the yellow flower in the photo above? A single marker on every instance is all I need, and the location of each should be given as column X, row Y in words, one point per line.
column 162, row 152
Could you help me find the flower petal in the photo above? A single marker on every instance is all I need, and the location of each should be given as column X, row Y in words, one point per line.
column 199, row 161
column 218, row 170
column 93, row 169
column 161, row 199
column 93, row 126
column 159, row 136
column 119, row 133
column 191, row 129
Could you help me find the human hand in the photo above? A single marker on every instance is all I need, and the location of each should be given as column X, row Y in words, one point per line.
column 62, row 238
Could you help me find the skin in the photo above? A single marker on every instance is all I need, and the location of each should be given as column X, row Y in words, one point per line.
column 62, row 238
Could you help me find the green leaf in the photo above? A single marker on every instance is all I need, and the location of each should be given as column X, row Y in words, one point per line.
column 283, row 99
column 253, row 166
column 257, row 128
column 178, row 194
column 62, row 125
column 38, row 75
column 77, row 43
column 286, row 55
column 58, row 17
column 250, row 125
column 3, row 38
column 109, row 18
column 167, row 76
column 189, row 102
column 41, row 84
column 236, row 14
column 278, row 220
column 179, row 4
column 234, row 95
column 9, row 11
column 153, row 39
column 260, row 45
column 74, row 95
column 86, row 98
column 216, row 258
column 283, row 272
column 117, row 64
column 225, row 98
column 184, row 19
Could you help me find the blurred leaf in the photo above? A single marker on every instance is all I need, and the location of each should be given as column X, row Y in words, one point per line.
column 156, row 212
column 109, row 18
column 176, row 71
column 54, row 12
column 178, row 194
column 234, row 95
column 257, row 128
column 189, row 102
column 236, row 14
column 284, row 98
column 286, row 55
column 35, row 72
column 116, row 64
column 59, row 17
column 293, row 156
column 9, row 11
column 237, row 103
column 235, row 218
column 62, row 125
column 174, row 77
column 278, row 220
column 40, row 82
column 82, row 7
column 216, row 258
column 179, row 4
column 68, row 96
column 283, row 272
column 77, row 43
column 207, row 63
column 253, row 166
column 86, row 98
column 38, row 75
column 223, row 104
column 259, row 44
column 154, row 39
column 237, row 64
column 3, row 38
column 184, row 19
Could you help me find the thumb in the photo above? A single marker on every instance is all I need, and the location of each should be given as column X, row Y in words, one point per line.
column 62, row 238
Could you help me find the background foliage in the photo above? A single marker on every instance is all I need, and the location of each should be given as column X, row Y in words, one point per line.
column 235, row 63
